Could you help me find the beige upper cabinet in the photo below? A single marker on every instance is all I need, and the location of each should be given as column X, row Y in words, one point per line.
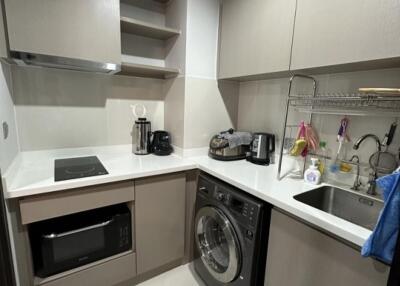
column 3, row 39
column 341, row 32
column 84, row 30
column 256, row 37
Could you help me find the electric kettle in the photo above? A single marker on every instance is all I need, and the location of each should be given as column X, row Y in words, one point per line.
column 141, row 133
column 262, row 149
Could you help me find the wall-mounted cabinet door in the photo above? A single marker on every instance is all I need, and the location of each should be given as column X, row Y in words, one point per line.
column 341, row 32
column 160, row 220
column 85, row 30
column 256, row 37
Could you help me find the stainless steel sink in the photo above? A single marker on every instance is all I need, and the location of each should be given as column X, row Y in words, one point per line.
column 358, row 209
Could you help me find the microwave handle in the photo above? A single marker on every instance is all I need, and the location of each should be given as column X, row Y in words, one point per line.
column 58, row 235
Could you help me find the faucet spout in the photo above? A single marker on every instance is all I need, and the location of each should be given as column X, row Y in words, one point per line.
column 357, row 183
column 362, row 138
column 373, row 175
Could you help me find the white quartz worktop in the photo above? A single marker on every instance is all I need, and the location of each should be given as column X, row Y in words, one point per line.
column 32, row 173
column 262, row 182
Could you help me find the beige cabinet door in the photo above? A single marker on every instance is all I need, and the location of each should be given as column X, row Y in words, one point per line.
column 3, row 37
column 256, row 37
column 160, row 220
column 86, row 30
column 299, row 255
column 341, row 32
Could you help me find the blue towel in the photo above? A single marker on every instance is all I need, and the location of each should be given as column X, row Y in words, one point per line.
column 382, row 242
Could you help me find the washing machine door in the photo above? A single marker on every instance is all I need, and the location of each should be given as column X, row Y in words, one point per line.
column 218, row 244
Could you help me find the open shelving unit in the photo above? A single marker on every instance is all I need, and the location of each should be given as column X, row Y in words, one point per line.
column 141, row 28
column 141, row 70
column 146, row 39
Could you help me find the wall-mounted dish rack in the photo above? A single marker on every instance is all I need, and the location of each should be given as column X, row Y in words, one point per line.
column 367, row 102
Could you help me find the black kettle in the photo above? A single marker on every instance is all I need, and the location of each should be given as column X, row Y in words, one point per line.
column 262, row 149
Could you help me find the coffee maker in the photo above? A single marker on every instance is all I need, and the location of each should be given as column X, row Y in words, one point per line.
column 161, row 144
column 262, row 149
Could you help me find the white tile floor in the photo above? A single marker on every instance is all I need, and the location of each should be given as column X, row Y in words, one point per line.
column 180, row 276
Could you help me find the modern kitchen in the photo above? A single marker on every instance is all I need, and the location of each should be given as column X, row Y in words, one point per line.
column 199, row 143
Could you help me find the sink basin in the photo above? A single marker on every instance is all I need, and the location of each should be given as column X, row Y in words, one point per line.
column 358, row 209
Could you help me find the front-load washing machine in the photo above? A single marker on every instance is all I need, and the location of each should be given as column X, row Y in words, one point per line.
column 231, row 234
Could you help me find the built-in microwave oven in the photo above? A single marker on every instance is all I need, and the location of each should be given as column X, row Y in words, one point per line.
column 71, row 241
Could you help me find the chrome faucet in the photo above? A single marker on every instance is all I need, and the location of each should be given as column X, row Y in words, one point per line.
column 362, row 138
column 373, row 175
column 357, row 182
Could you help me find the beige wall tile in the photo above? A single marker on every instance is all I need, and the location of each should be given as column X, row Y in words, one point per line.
column 174, row 90
column 61, row 109
column 8, row 147
column 208, row 110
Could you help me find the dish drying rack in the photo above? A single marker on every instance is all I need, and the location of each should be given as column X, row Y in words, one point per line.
column 367, row 102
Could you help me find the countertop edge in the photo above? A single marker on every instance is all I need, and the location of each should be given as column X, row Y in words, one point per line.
column 92, row 181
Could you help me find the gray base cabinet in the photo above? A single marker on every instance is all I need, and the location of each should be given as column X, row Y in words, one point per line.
column 299, row 255
column 159, row 220
column 341, row 32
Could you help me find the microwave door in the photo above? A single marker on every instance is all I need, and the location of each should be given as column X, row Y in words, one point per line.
column 7, row 276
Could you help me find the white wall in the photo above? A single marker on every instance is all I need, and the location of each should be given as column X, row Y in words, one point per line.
column 63, row 109
column 8, row 146
column 202, row 38
column 210, row 106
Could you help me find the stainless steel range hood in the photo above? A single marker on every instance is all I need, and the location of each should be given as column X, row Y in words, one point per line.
column 31, row 59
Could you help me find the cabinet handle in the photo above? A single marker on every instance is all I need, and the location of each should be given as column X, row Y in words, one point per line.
column 58, row 235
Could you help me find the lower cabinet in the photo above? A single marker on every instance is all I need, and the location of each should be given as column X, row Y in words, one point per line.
column 299, row 255
column 159, row 220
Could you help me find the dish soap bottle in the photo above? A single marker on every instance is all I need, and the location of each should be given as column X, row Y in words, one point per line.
column 312, row 175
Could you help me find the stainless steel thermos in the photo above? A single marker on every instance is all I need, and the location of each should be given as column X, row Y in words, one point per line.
column 141, row 133
column 141, row 136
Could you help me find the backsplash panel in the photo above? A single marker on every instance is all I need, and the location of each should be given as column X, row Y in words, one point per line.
column 63, row 109
column 8, row 146
column 262, row 108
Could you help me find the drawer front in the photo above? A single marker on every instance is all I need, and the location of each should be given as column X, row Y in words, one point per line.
column 52, row 205
column 108, row 273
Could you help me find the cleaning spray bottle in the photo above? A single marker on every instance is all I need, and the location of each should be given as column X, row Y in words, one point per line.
column 312, row 175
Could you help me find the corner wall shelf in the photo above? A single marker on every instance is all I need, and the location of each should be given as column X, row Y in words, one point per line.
column 140, row 70
column 141, row 28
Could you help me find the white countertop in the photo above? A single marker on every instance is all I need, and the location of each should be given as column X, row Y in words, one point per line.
column 262, row 182
column 32, row 173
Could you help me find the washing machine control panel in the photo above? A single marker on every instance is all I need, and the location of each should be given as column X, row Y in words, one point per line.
column 247, row 210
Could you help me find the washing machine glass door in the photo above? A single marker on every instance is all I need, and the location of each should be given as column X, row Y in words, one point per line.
column 218, row 244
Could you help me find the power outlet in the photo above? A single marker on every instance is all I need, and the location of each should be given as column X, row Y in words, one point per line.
column 5, row 130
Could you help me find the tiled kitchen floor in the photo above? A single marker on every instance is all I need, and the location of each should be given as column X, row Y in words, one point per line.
column 180, row 276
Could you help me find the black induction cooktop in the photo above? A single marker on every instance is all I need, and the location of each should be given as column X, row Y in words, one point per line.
column 80, row 167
